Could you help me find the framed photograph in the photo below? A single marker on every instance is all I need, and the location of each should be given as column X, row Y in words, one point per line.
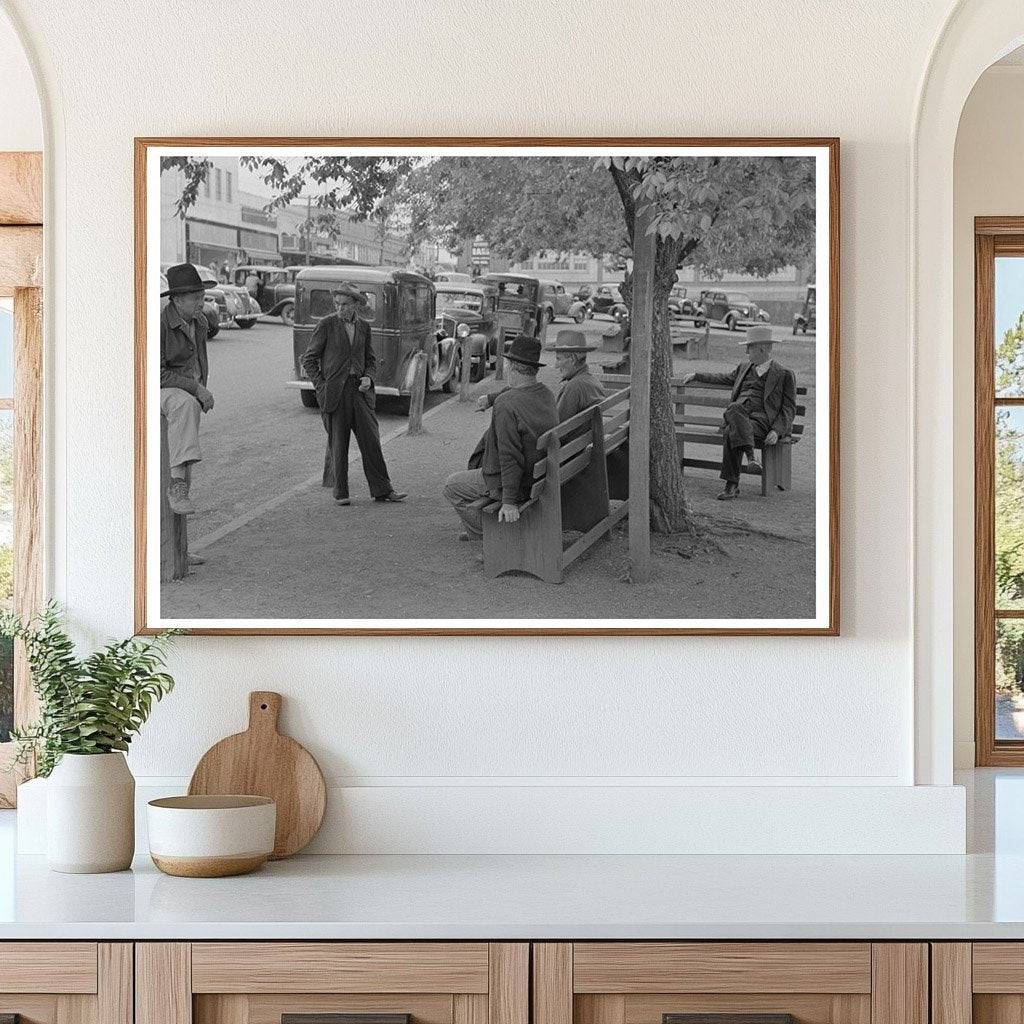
column 487, row 386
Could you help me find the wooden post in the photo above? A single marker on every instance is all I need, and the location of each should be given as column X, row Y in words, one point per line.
column 467, row 369
column 419, row 394
column 173, row 528
column 499, row 355
column 644, row 247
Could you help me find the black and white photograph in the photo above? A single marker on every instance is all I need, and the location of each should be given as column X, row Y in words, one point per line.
column 458, row 387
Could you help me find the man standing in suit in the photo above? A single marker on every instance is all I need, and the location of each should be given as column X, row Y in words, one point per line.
column 761, row 410
column 340, row 362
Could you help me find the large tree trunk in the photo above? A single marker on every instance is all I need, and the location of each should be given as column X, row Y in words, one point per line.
column 669, row 510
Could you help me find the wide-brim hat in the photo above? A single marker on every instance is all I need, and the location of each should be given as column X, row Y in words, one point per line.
column 758, row 336
column 181, row 278
column 525, row 350
column 350, row 290
column 571, row 341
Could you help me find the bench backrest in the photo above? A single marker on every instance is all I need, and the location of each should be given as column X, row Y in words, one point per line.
column 569, row 447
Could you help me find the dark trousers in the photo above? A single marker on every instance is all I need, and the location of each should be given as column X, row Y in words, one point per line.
column 354, row 413
column 743, row 430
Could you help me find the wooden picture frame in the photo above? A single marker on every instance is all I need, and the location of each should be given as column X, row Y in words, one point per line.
column 21, row 266
column 826, row 621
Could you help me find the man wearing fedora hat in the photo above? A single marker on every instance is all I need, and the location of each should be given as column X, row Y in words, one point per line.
column 761, row 409
column 501, row 466
column 578, row 389
column 184, row 331
column 340, row 362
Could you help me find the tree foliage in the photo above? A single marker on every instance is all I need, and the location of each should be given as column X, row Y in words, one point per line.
column 1009, row 472
column 90, row 705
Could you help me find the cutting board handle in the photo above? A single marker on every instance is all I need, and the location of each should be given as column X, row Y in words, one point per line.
column 264, row 710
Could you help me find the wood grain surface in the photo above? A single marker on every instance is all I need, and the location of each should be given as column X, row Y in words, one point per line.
column 262, row 762
column 48, row 967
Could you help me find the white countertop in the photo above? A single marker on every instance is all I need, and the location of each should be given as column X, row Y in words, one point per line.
column 531, row 897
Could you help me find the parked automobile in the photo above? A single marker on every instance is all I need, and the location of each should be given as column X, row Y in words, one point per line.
column 681, row 306
column 459, row 314
column 234, row 305
column 806, row 320
column 209, row 307
column 512, row 300
column 734, row 309
column 400, row 312
column 275, row 289
column 605, row 300
column 554, row 301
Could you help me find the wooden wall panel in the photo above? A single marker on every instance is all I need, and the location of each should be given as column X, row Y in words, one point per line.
column 552, row 983
column 115, row 983
column 951, row 983
column 998, row 967
column 722, row 967
column 508, row 990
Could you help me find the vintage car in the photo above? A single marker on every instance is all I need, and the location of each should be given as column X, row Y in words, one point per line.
column 209, row 306
column 511, row 299
column 806, row 320
column 734, row 309
column 233, row 305
column 605, row 300
column 400, row 312
column 459, row 314
column 452, row 277
column 555, row 301
column 682, row 307
column 275, row 288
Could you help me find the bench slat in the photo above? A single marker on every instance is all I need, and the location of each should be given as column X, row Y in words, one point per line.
column 713, row 464
column 578, row 546
column 614, row 440
column 612, row 423
column 576, row 465
column 716, row 421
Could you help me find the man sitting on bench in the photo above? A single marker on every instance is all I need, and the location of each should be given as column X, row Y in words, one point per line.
column 761, row 409
column 501, row 466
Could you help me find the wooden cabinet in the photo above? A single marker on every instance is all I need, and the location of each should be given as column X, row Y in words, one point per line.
column 259, row 982
column 979, row 982
column 66, row 982
column 815, row 982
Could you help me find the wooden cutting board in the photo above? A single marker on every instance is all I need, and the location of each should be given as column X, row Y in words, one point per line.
column 262, row 762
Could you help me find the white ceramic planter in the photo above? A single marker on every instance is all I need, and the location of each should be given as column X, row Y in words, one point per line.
column 90, row 814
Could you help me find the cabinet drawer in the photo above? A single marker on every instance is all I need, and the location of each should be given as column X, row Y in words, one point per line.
column 634, row 967
column 340, row 967
column 48, row 967
column 261, row 982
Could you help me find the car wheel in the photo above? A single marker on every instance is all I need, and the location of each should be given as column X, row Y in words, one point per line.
column 578, row 317
column 288, row 314
column 308, row 397
column 730, row 323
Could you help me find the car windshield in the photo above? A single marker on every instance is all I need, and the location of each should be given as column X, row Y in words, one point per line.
column 470, row 300
column 520, row 289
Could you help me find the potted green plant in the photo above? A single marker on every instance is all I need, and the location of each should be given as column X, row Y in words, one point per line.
column 89, row 710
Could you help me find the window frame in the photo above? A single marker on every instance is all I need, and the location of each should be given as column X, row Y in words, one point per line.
column 993, row 237
column 21, row 259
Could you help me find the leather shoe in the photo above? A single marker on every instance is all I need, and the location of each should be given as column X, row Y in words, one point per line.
column 730, row 492
column 342, row 501
column 395, row 496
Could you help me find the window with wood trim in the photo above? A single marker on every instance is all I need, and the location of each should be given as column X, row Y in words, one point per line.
column 21, row 369
column 999, row 490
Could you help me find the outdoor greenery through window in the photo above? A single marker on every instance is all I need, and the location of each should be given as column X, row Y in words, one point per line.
column 1009, row 496
column 6, row 512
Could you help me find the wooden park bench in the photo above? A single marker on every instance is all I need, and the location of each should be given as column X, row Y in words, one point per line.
column 698, row 420
column 575, row 485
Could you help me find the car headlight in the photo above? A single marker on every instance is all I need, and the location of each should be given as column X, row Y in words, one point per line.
column 462, row 331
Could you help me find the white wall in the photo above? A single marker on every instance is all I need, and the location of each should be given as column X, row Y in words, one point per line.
column 442, row 714
column 988, row 181
column 21, row 123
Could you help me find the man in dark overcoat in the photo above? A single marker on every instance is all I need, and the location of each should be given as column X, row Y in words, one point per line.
column 340, row 362
column 761, row 408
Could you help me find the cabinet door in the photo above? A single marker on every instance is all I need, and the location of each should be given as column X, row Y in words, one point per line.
column 736, row 982
column 66, row 982
column 981, row 982
column 332, row 983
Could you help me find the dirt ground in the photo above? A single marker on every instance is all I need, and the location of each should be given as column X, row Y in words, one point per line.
column 299, row 556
